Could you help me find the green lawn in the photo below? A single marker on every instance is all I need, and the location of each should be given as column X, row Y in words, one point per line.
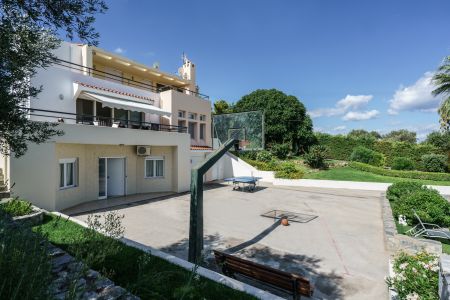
column 402, row 229
column 350, row 174
column 146, row 276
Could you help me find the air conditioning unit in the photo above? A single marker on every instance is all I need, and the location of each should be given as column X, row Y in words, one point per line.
column 143, row 150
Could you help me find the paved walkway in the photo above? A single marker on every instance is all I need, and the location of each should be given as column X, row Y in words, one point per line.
column 336, row 184
column 342, row 251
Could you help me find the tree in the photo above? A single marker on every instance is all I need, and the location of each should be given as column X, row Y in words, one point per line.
column 442, row 82
column 401, row 135
column 285, row 118
column 361, row 133
column 440, row 140
column 222, row 107
column 29, row 31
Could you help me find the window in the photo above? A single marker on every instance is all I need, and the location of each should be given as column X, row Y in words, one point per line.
column 202, row 131
column 181, row 114
column 67, row 172
column 192, row 128
column 154, row 167
column 192, row 116
column 136, row 117
column 85, row 111
column 202, row 118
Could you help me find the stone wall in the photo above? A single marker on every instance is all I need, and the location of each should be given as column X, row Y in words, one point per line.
column 444, row 277
column 399, row 242
column 70, row 274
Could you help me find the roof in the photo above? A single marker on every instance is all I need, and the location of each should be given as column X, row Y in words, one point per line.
column 197, row 147
column 88, row 85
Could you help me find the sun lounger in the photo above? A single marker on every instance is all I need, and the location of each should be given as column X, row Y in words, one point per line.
column 428, row 230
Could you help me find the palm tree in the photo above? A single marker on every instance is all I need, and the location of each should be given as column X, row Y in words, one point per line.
column 442, row 82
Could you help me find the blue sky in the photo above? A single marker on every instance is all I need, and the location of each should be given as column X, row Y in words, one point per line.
column 354, row 64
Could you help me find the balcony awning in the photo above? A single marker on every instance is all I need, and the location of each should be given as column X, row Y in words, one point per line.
column 126, row 104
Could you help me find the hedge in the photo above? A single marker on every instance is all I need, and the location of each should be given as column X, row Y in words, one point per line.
column 341, row 147
column 401, row 174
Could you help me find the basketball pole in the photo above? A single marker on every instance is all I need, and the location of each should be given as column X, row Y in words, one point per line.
column 196, row 208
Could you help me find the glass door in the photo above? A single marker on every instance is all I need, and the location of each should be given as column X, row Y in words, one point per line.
column 102, row 182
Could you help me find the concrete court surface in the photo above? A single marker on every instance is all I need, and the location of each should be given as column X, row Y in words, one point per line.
column 342, row 251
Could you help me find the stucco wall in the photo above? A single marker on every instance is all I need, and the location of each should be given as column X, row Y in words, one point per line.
column 88, row 187
column 174, row 101
column 34, row 175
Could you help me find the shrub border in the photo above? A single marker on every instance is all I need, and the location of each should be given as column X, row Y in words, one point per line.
column 402, row 174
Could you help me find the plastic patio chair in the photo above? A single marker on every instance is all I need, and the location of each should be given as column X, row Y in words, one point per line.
column 428, row 230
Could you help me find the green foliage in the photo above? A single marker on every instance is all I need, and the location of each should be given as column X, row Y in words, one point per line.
column 434, row 163
column 367, row 156
column 280, row 151
column 17, row 207
column 248, row 154
column 146, row 276
column 441, row 80
column 402, row 174
column 25, row 270
column 341, row 147
column 361, row 133
column 29, row 31
column 315, row 158
column 402, row 163
column 288, row 170
column 430, row 206
column 415, row 276
column 401, row 135
column 271, row 165
column 285, row 118
column 264, row 156
column 396, row 190
column 440, row 140
column 222, row 107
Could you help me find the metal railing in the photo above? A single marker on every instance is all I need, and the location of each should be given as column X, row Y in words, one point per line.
column 103, row 121
column 124, row 80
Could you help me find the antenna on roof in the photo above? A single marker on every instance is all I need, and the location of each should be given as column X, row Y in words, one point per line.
column 184, row 58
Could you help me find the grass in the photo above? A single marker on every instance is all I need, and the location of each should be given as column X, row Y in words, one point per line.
column 17, row 207
column 350, row 174
column 146, row 276
column 402, row 229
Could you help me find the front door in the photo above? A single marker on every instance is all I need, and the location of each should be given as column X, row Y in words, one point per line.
column 111, row 177
column 115, row 177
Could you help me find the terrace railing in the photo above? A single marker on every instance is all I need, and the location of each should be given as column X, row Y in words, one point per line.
column 124, row 80
column 103, row 121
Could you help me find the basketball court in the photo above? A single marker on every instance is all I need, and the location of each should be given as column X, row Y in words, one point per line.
column 335, row 237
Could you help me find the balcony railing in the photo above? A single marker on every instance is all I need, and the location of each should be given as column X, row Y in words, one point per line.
column 103, row 121
column 124, row 80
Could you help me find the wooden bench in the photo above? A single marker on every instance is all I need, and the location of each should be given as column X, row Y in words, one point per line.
column 293, row 283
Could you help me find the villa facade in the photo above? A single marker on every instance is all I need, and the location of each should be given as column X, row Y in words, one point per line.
column 128, row 129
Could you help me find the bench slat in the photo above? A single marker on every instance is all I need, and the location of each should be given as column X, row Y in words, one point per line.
column 274, row 277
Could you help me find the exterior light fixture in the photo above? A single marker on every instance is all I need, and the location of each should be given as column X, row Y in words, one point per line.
column 103, row 55
column 139, row 68
column 123, row 62
column 156, row 74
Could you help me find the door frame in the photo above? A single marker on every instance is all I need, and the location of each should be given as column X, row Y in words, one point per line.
column 125, row 177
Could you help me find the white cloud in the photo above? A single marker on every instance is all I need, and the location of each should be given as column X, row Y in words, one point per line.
column 360, row 115
column 342, row 106
column 340, row 128
column 120, row 50
column 416, row 97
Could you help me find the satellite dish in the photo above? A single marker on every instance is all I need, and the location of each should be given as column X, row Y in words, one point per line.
column 156, row 65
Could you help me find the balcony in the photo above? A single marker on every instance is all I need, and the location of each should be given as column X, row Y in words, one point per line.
column 103, row 121
column 124, row 81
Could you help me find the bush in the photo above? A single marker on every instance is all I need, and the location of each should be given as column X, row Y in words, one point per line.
column 434, row 163
column 25, row 269
column 264, row 166
column 429, row 205
column 315, row 158
column 17, row 207
column 341, row 147
column 402, row 163
column 264, row 156
column 401, row 174
column 248, row 154
column 280, row 151
column 396, row 190
column 367, row 156
column 415, row 276
column 289, row 170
